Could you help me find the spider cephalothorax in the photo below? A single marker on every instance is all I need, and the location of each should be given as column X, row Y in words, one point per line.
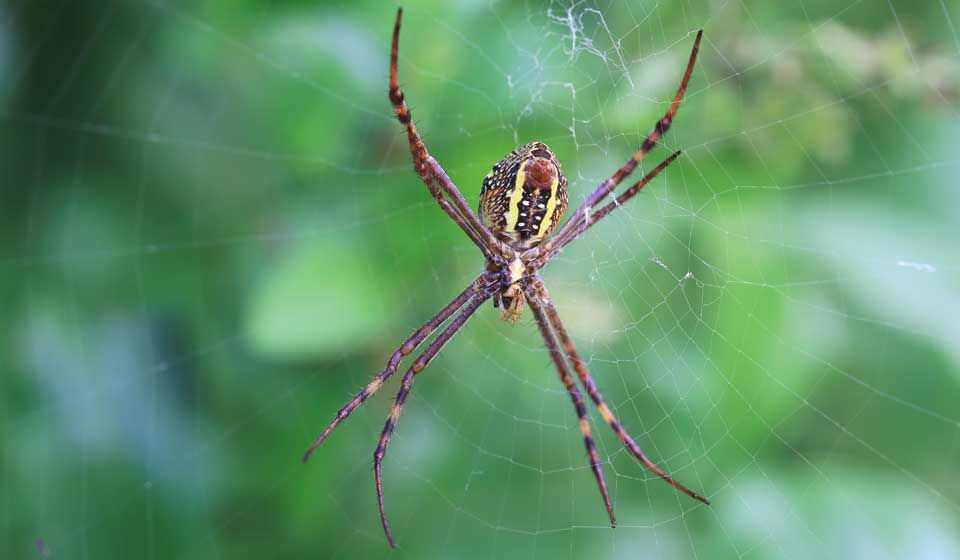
column 521, row 203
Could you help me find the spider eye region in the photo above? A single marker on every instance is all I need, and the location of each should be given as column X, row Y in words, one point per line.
column 524, row 196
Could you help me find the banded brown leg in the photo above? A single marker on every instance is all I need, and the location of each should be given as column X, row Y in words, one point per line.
column 567, row 379
column 621, row 199
column 419, row 365
column 427, row 167
column 567, row 232
column 580, row 367
column 407, row 347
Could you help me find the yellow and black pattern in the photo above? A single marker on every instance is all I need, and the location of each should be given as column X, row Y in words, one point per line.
column 521, row 203
column 524, row 196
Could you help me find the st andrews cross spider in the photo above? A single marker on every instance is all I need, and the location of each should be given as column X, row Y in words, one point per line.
column 522, row 201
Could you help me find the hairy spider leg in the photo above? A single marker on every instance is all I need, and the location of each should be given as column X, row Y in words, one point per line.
column 568, row 382
column 419, row 365
column 407, row 347
column 570, row 229
column 542, row 298
column 427, row 167
column 623, row 197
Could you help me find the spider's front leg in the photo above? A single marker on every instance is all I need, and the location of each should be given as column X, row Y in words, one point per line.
column 541, row 305
column 418, row 365
column 567, row 379
column 477, row 286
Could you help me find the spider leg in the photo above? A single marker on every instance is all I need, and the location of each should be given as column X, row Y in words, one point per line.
column 567, row 379
column 543, row 298
column 406, row 348
column 418, row 365
column 597, row 215
column 457, row 219
column 428, row 168
column 605, row 188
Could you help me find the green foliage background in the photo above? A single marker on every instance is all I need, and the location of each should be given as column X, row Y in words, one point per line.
column 212, row 237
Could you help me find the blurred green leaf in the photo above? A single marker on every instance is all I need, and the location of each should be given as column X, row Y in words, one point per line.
column 315, row 303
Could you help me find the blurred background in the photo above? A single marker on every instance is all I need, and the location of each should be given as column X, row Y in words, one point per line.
column 212, row 237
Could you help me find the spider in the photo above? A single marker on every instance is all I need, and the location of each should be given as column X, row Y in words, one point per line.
column 521, row 202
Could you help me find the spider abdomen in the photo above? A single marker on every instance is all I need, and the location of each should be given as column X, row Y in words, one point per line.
column 524, row 195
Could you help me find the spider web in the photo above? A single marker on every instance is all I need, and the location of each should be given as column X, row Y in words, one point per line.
column 221, row 240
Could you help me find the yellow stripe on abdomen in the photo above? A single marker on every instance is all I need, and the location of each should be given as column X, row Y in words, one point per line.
column 513, row 210
column 551, row 206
